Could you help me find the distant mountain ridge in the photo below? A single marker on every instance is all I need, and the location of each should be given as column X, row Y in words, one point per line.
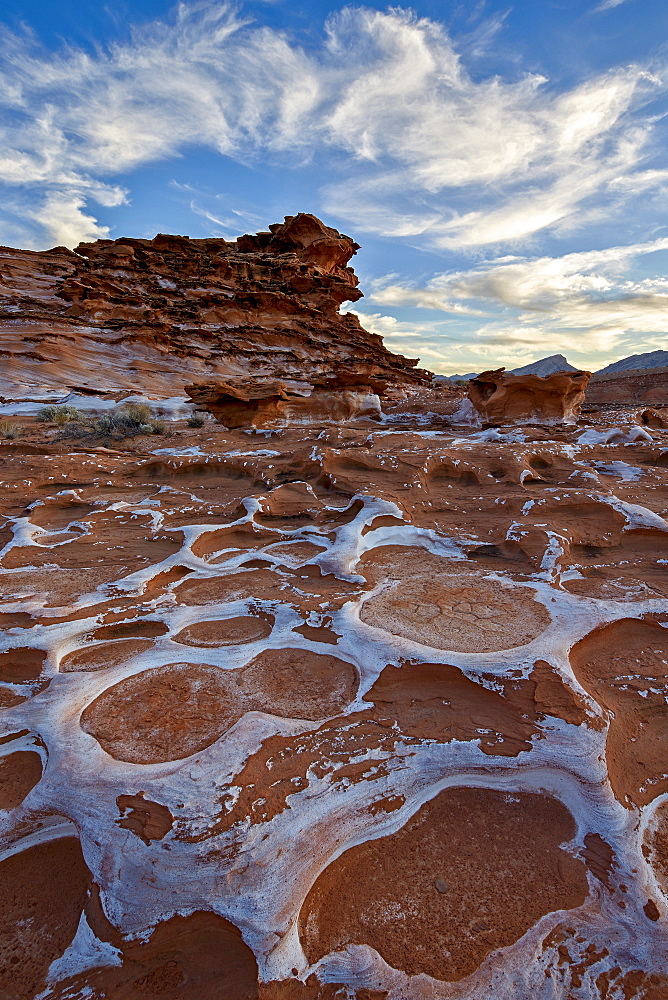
column 653, row 359
column 455, row 378
column 543, row 367
column 558, row 363
column 546, row 366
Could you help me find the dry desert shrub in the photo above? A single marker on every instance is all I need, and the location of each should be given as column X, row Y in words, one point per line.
column 130, row 420
column 60, row 415
column 9, row 430
column 137, row 413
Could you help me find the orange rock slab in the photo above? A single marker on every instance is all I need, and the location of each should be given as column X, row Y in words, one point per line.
column 501, row 398
column 444, row 891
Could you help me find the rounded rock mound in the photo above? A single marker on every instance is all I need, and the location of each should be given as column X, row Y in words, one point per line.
column 421, row 599
column 170, row 712
column 469, row 873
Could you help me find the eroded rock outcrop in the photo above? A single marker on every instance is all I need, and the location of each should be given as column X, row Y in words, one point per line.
column 653, row 418
column 502, row 398
column 635, row 387
column 139, row 315
column 270, row 402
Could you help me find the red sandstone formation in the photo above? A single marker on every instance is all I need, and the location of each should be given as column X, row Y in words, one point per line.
column 654, row 418
column 511, row 399
column 635, row 387
column 19, row 773
column 625, row 666
column 272, row 403
column 138, row 315
column 447, row 882
column 42, row 895
column 197, row 957
column 174, row 711
column 344, row 711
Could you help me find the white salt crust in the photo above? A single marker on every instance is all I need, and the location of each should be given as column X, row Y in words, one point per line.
column 141, row 885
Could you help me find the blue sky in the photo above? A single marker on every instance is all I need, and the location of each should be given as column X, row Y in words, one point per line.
column 504, row 165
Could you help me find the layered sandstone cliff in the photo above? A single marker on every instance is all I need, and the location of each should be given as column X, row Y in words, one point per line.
column 150, row 316
column 636, row 387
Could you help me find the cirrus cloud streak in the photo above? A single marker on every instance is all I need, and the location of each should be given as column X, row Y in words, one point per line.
column 385, row 101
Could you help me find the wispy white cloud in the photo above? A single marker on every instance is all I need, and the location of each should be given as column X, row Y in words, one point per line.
column 228, row 228
column 427, row 151
column 62, row 217
column 582, row 302
column 541, row 284
column 488, row 163
column 608, row 5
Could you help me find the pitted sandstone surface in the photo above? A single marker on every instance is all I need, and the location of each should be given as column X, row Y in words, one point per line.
column 407, row 740
column 427, row 604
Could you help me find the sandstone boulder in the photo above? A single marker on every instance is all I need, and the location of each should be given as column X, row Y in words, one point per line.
column 501, row 398
column 653, row 418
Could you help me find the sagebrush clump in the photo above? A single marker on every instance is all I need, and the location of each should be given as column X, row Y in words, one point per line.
column 130, row 420
column 53, row 414
column 196, row 420
column 137, row 413
column 9, row 430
